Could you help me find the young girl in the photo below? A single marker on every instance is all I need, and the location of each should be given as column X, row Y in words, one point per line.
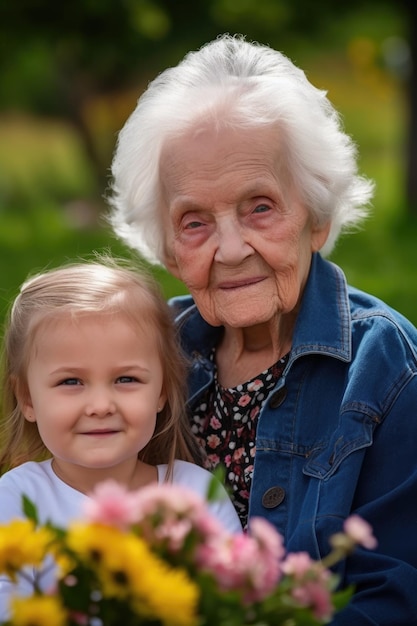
column 93, row 389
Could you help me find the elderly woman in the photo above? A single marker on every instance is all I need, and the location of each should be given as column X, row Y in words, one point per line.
column 234, row 173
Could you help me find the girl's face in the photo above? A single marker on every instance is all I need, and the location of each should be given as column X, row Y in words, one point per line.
column 95, row 386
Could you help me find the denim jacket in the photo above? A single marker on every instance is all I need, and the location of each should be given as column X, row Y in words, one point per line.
column 337, row 436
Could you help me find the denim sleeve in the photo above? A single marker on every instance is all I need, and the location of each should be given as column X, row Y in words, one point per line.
column 385, row 579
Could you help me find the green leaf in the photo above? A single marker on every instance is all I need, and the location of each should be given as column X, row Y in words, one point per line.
column 341, row 598
column 216, row 484
column 30, row 509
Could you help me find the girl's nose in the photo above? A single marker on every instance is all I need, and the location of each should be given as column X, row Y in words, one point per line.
column 100, row 403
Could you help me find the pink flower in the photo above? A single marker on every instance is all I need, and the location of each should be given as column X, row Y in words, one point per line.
column 167, row 514
column 110, row 503
column 359, row 531
column 314, row 594
column 310, row 583
column 297, row 564
column 81, row 619
column 247, row 563
column 171, row 498
column 269, row 540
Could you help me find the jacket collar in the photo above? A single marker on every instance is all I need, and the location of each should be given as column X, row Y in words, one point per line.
column 324, row 323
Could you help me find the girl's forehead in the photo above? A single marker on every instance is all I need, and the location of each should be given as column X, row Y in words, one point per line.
column 75, row 320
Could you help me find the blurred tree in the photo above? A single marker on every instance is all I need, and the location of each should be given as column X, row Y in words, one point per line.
column 411, row 9
column 74, row 59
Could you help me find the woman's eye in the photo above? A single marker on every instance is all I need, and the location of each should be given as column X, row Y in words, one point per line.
column 193, row 224
column 262, row 208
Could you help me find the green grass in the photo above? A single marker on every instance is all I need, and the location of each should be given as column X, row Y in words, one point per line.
column 48, row 212
column 34, row 240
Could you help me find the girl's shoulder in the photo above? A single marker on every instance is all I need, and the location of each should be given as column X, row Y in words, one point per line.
column 28, row 479
column 189, row 475
column 26, row 474
column 55, row 501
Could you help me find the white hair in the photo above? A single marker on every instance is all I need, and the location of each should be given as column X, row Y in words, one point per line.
column 233, row 82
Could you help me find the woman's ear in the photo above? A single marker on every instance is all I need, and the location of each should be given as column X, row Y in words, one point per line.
column 170, row 262
column 172, row 267
column 319, row 234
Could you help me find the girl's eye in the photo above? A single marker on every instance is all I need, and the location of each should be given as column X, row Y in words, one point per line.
column 70, row 381
column 127, row 379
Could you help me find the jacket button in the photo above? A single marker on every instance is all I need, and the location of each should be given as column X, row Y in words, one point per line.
column 278, row 398
column 273, row 497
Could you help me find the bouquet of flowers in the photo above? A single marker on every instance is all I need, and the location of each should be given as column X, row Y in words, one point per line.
column 157, row 557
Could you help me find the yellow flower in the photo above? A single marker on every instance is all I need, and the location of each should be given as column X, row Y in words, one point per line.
column 91, row 541
column 64, row 563
column 38, row 611
column 21, row 543
column 128, row 570
column 169, row 595
column 156, row 589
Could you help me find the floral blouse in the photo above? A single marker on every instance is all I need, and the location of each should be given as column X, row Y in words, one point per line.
column 225, row 424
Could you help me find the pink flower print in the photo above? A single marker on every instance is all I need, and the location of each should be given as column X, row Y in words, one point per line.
column 212, row 461
column 227, row 460
column 215, row 423
column 249, row 471
column 213, row 441
column 255, row 385
column 254, row 412
column 244, row 400
column 238, row 454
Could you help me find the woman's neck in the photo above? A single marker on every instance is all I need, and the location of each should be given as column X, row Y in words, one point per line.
column 246, row 352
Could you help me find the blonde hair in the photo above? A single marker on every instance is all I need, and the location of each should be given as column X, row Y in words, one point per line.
column 103, row 287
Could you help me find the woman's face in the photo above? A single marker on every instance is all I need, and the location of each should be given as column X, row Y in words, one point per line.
column 237, row 235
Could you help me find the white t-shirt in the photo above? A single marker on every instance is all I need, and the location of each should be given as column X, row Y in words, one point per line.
column 59, row 504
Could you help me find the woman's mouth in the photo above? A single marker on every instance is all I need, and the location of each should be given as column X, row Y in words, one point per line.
column 239, row 284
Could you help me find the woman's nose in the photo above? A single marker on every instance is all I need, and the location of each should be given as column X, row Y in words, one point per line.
column 232, row 247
